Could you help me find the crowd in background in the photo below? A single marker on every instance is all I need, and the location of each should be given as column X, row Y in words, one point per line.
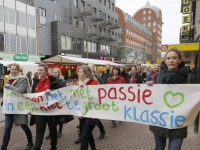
column 171, row 71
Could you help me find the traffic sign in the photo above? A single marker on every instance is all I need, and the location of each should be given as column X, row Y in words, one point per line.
column 164, row 48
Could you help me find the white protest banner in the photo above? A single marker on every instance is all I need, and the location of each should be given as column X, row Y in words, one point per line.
column 168, row 106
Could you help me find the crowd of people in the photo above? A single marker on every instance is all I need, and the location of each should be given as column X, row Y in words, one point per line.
column 171, row 71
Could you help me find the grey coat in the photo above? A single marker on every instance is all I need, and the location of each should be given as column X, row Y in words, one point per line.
column 20, row 87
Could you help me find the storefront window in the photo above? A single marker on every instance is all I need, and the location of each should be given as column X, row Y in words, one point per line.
column 1, row 42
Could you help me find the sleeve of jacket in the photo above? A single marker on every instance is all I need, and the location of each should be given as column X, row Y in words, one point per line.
column 123, row 80
column 102, row 76
column 22, row 86
column 148, row 76
column 64, row 83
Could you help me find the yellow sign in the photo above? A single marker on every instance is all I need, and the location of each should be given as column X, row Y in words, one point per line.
column 185, row 2
column 6, row 76
column 187, row 10
column 186, row 19
column 148, row 62
column 186, row 28
column 185, row 47
column 69, row 72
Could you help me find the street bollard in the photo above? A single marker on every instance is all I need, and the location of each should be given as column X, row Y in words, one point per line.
column 196, row 124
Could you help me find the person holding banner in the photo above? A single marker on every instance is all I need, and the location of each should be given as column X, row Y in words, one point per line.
column 115, row 78
column 173, row 71
column 19, row 84
column 58, row 75
column 46, row 83
column 86, row 77
column 134, row 77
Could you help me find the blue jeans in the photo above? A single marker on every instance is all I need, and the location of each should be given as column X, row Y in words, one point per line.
column 7, row 130
column 174, row 144
column 86, row 135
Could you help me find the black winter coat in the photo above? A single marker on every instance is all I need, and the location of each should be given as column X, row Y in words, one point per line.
column 138, row 78
column 170, row 133
column 124, row 75
column 54, row 85
column 105, row 76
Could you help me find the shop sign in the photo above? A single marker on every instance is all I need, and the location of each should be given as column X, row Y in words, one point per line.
column 187, row 10
column 42, row 56
column 186, row 28
column 186, row 19
column 186, row 2
column 19, row 57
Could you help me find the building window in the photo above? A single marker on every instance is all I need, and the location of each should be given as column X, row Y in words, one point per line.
column 154, row 29
column 21, row 19
column 154, row 23
column 144, row 11
column 108, row 4
column 1, row 14
column 42, row 16
column 113, row 7
column 144, row 18
column 149, row 17
column 75, row 21
column 149, row 11
column 1, row 42
column 11, row 43
column 99, row 1
column 76, row 3
column 21, row 44
column 144, row 24
column 120, row 39
column 104, row 2
column 149, row 24
column 57, row 17
column 66, row 42
column 92, row 47
column 31, row 22
column 82, row 23
column 32, row 48
column 9, row 15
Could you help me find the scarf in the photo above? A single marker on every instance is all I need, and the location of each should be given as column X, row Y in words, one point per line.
column 84, row 82
column 174, row 77
column 16, row 78
column 132, row 77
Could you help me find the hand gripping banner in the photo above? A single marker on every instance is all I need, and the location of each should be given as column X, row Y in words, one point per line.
column 168, row 106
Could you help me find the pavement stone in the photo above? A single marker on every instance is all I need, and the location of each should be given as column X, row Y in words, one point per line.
column 126, row 136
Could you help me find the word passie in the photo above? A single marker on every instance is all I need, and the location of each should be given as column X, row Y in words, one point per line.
column 155, row 117
column 120, row 93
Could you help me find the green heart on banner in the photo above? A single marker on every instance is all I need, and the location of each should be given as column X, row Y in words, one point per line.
column 176, row 94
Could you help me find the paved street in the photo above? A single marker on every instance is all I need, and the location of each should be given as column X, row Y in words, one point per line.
column 126, row 136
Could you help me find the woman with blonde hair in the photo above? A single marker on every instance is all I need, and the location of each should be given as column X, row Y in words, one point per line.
column 19, row 84
column 86, row 77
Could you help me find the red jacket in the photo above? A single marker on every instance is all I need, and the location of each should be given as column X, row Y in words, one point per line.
column 93, row 82
column 118, row 80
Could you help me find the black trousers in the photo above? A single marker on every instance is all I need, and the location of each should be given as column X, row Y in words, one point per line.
column 86, row 135
column 41, row 122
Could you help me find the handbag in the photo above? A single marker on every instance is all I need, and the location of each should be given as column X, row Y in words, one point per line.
column 66, row 118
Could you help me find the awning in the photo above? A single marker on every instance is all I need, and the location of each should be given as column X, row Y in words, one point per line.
column 75, row 60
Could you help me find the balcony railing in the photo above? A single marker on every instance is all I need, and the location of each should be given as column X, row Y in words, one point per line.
column 93, row 31
column 108, row 21
column 103, row 35
column 43, row 20
column 98, row 17
column 85, row 11
column 112, row 38
column 115, row 26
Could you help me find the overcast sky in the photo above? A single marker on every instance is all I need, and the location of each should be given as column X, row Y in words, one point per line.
column 171, row 14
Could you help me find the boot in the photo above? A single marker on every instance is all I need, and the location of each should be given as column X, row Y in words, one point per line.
column 102, row 135
column 113, row 125
column 59, row 134
column 29, row 146
column 78, row 140
column 48, row 136
column 53, row 148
